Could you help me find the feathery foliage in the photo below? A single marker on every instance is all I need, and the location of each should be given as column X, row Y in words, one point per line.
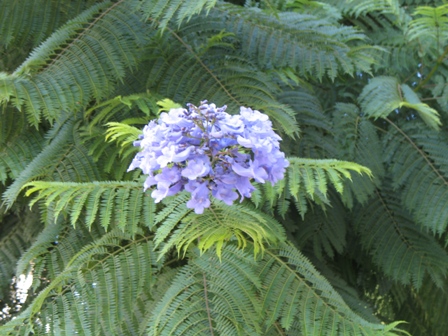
column 402, row 249
column 397, row 96
column 307, row 180
column 122, row 202
column 418, row 169
column 305, row 293
column 86, row 57
column 215, row 227
column 352, row 241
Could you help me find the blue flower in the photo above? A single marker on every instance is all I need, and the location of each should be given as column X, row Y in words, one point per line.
column 208, row 152
column 225, row 193
column 197, row 167
column 253, row 170
column 199, row 198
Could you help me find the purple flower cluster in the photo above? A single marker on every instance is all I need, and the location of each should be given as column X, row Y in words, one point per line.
column 205, row 150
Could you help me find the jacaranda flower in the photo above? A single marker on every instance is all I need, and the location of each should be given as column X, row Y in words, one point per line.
column 208, row 152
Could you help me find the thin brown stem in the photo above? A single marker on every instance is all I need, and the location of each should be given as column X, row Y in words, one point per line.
column 58, row 56
column 207, row 307
column 392, row 218
column 431, row 98
column 433, row 70
column 425, row 157
column 198, row 59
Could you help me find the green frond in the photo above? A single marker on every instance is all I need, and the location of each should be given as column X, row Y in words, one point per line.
column 318, row 9
column 233, row 81
column 105, row 296
column 419, row 166
column 74, row 163
column 122, row 203
column 311, row 177
column 37, row 166
column 33, row 259
column 429, row 115
column 16, row 327
column 314, row 47
column 167, row 104
column 384, row 94
column 316, row 127
column 310, row 112
column 31, row 21
column 324, row 230
column 357, row 8
column 119, row 106
column 127, row 109
column 164, row 12
column 308, row 180
column 428, row 303
column 358, row 137
column 358, row 142
column 113, row 159
column 215, row 227
column 305, row 293
column 440, row 91
column 432, row 23
column 53, row 250
column 397, row 245
column 16, row 236
column 122, row 133
column 411, row 3
column 17, row 152
column 13, row 124
column 349, row 292
column 401, row 56
column 85, row 58
column 366, row 80
column 65, row 158
column 211, row 296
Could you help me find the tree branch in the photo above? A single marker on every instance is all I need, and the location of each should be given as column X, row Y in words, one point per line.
column 433, row 70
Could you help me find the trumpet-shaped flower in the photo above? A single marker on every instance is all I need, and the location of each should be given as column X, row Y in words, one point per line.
column 208, row 152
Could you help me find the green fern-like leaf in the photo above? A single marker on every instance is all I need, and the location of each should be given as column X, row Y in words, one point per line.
column 363, row 7
column 105, row 296
column 324, row 230
column 309, row 109
column 16, row 153
column 164, row 12
column 416, row 303
column 233, row 81
column 32, row 260
column 17, row 237
column 432, row 24
column 106, row 110
column 398, row 245
column 65, row 158
column 37, row 166
column 315, row 47
column 440, row 91
column 216, row 226
column 122, row 133
column 123, row 203
column 305, row 292
column 384, row 94
column 310, row 178
column 206, row 293
column 33, row 21
column 86, row 57
column 419, row 166
column 359, row 142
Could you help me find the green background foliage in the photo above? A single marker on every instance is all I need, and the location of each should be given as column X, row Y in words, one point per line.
column 352, row 242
